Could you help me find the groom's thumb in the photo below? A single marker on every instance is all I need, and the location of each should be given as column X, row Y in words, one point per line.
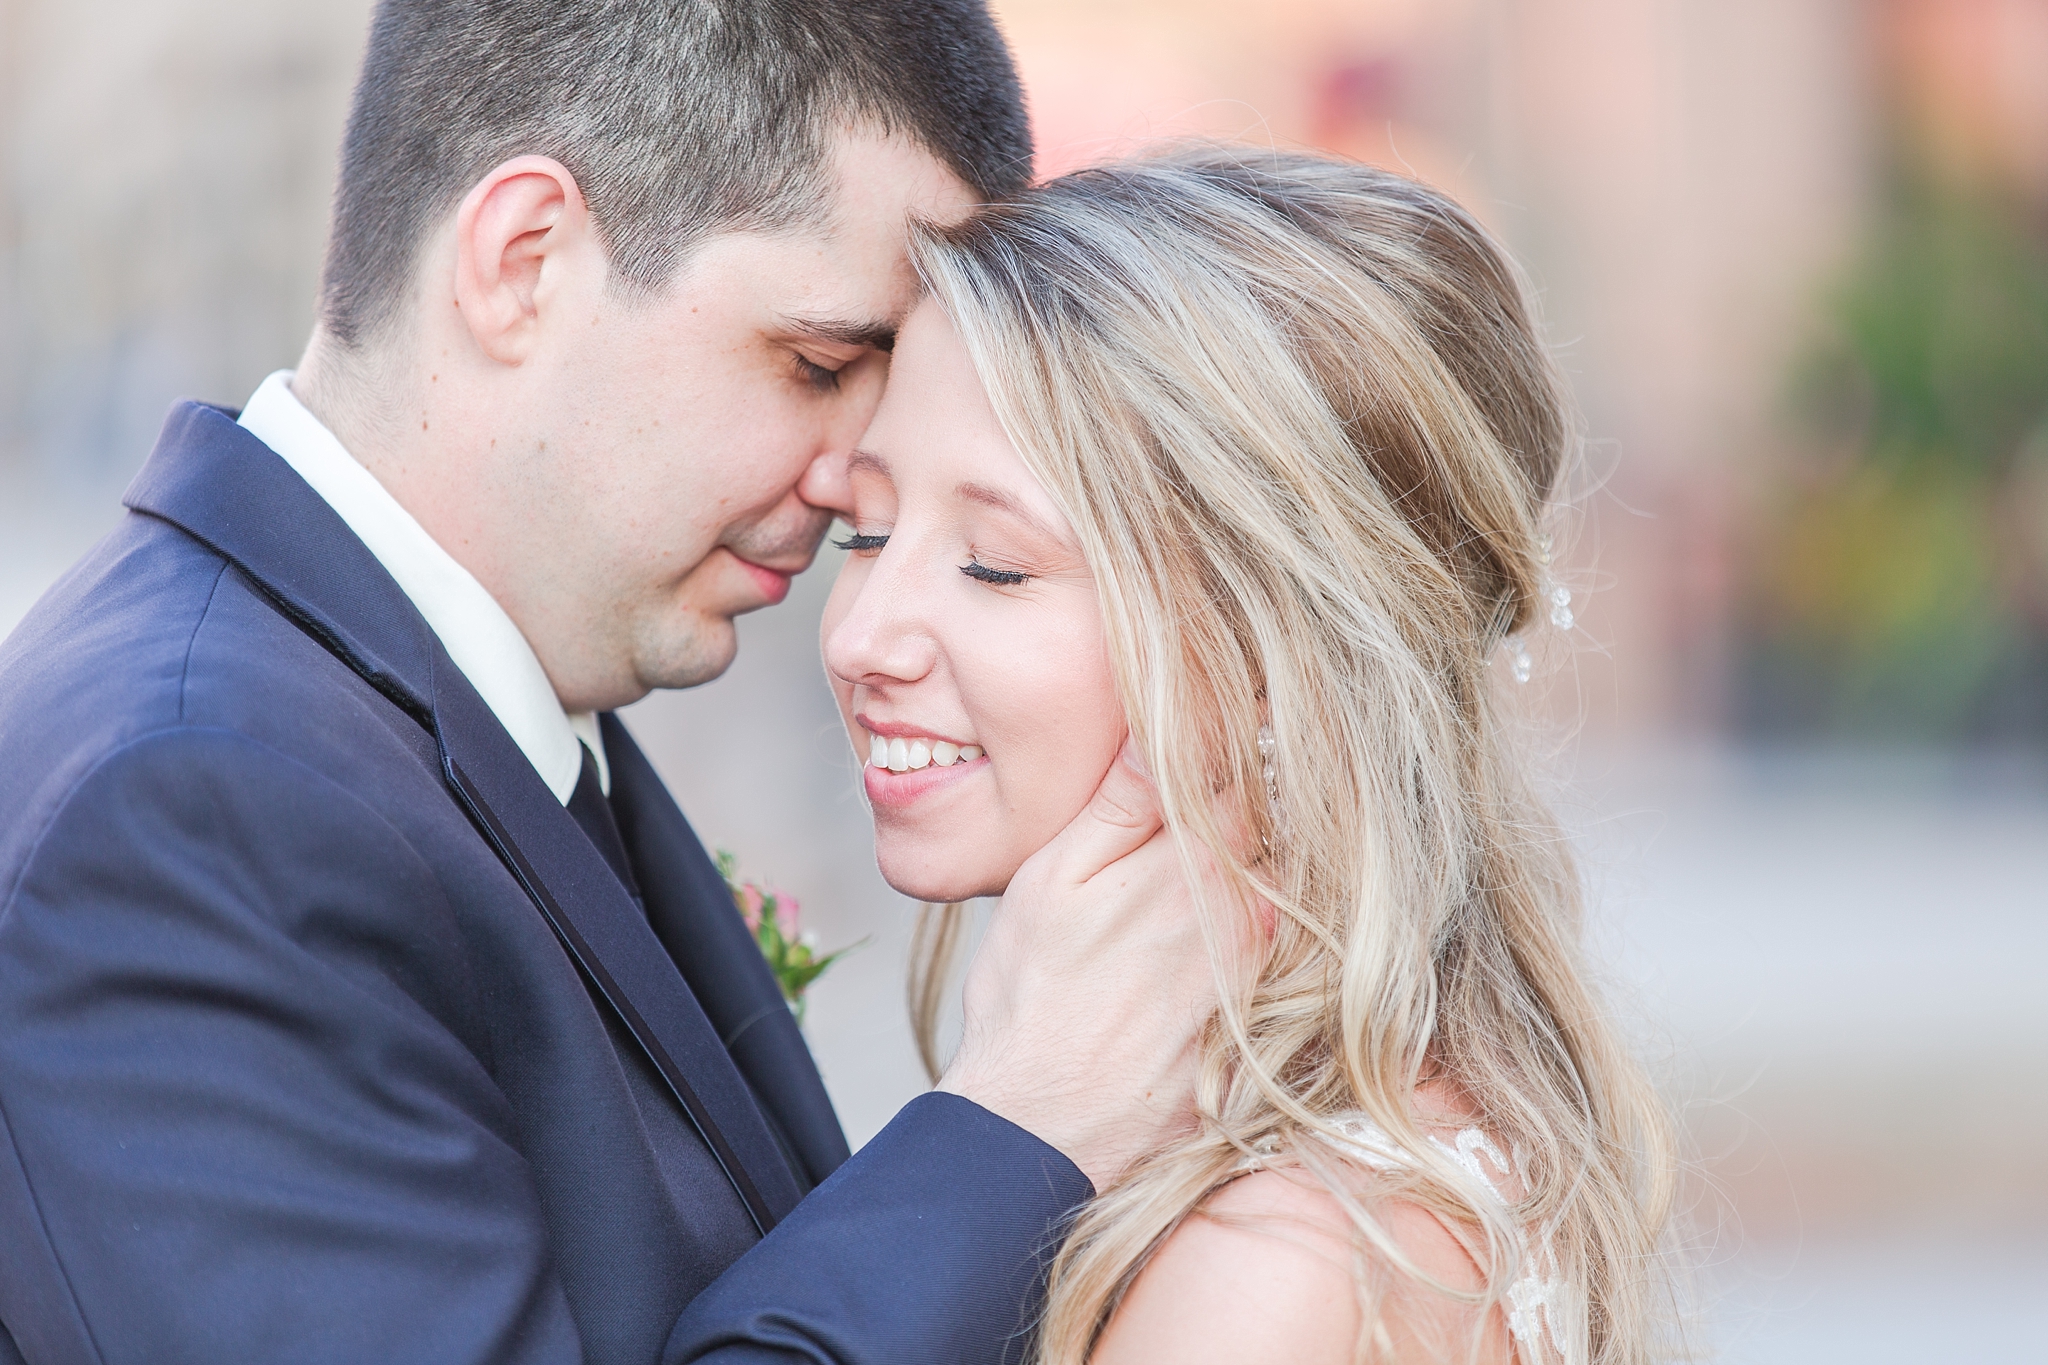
column 1117, row 821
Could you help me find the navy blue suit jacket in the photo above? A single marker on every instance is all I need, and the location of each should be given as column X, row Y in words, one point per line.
column 327, row 1035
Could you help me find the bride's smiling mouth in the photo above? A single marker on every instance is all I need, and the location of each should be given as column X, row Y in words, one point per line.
column 905, row 762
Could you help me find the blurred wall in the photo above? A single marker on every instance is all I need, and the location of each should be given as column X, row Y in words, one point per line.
column 164, row 175
column 1677, row 176
column 167, row 174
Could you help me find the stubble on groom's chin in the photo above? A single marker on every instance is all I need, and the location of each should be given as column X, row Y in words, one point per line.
column 686, row 651
column 693, row 640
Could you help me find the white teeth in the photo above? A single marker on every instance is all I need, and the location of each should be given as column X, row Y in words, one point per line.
column 907, row 755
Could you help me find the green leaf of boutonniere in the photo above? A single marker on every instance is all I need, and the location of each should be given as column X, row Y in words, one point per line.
column 775, row 920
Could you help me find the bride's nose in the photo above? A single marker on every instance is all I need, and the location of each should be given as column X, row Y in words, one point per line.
column 886, row 635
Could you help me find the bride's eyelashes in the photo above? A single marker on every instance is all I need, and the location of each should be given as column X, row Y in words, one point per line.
column 862, row 544
column 982, row 573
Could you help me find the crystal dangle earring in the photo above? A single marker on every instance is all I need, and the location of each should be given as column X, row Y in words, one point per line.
column 1519, row 662
column 1560, row 596
column 1561, row 606
column 1268, row 746
column 1560, row 599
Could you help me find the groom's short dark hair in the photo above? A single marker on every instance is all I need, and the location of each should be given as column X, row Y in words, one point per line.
column 678, row 118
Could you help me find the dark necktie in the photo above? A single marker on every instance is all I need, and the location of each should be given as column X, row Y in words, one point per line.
column 593, row 811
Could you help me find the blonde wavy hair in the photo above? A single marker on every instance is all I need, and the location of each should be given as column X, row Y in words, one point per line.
column 1301, row 420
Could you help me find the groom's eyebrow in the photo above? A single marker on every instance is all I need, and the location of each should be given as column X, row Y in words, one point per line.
column 880, row 336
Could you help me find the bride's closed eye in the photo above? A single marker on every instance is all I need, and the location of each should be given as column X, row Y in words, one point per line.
column 982, row 573
column 859, row 543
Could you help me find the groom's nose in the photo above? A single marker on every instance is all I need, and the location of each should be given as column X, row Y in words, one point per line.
column 826, row 484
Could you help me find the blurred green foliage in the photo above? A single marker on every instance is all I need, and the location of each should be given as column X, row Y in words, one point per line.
column 1899, row 590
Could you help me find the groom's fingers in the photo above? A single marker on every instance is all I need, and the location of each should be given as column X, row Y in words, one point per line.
column 1117, row 821
column 1085, row 999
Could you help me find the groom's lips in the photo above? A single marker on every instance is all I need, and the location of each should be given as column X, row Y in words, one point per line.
column 773, row 584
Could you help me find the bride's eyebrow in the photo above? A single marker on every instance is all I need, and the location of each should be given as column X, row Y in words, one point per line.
column 866, row 462
column 1003, row 502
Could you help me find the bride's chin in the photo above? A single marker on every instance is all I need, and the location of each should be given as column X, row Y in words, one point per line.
column 923, row 879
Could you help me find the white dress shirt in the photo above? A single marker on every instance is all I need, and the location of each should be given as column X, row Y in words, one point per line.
column 474, row 629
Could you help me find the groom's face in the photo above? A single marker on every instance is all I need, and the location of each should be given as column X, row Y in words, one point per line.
column 666, row 436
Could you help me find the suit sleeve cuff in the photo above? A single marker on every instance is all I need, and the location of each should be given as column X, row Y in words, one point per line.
column 929, row 1245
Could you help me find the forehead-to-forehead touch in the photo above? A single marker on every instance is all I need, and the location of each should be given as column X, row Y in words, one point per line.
column 678, row 118
column 879, row 180
column 843, row 275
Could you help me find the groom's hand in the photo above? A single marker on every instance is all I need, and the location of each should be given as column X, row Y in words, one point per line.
column 1085, row 1000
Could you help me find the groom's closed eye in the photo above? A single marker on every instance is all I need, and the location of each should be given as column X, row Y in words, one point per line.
column 834, row 344
column 819, row 377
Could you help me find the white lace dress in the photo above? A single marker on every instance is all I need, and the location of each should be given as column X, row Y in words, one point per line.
column 1546, row 1314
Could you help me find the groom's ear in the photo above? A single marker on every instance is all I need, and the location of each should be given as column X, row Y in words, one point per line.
column 522, row 235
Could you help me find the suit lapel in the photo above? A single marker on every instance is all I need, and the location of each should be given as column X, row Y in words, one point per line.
column 227, row 489
column 610, row 940
column 692, row 913
column 224, row 487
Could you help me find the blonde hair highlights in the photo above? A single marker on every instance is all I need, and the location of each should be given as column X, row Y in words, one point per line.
column 1300, row 418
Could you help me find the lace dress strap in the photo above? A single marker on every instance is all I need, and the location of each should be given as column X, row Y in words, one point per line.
column 1546, row 1314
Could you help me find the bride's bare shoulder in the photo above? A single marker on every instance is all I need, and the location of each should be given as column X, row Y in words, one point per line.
column 1263, row 1271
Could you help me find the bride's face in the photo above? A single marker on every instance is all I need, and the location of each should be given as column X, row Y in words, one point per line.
column 963, row 637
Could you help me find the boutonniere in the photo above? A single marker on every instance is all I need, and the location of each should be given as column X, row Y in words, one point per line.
column 774, row 920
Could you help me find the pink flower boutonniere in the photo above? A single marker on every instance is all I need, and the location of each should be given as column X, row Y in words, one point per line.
column 774, row 920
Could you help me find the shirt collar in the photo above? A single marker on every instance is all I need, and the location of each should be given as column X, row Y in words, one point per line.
column 473, row 628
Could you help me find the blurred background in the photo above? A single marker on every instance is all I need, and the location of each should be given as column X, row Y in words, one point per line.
column 1795, row 256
